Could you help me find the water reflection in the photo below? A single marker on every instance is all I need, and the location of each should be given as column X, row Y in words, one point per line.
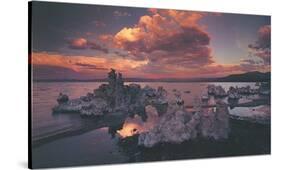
column 102, row 138
column 136, row 125
column 44, row 98
column 129, row 129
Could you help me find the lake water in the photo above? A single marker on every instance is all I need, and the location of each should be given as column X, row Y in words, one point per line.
column 96, row 146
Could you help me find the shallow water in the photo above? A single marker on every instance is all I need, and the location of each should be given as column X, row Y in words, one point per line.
column 96, row 146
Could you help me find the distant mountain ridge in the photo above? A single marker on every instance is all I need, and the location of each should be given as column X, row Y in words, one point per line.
column 244, row 77
column 248, row 77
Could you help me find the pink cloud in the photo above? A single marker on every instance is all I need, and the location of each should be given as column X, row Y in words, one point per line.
column 82, row 43
column 262, row 47
column 79, row 43
column 167, row 36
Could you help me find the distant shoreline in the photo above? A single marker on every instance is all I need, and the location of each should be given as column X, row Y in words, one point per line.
column 95, row 81
column 245, row 77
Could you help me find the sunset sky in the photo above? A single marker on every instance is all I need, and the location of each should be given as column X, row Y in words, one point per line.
column 72, row 41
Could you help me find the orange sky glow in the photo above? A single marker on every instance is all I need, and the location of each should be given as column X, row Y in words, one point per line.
column 158, row 44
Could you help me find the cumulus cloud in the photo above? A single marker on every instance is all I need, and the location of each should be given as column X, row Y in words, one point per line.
column 249, row 61
column 97, row 47
column 105, row 38
column 169, row 37
column 90, row 66
column 166, row 43
column 79, row 43
column 84, row 63
column 262, row 47
column 247, row 65
column 121, row 54
column 121, row 14
column 99, row 24
column 82, row 43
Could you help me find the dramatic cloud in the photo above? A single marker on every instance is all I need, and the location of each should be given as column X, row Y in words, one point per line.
column 90, row 66
column 97, row 47
column 82, row 43
column 263, row 42
column 121, row 14
column 46, row 72
column 173, row 71
column 247, row 65
column 249, row 61
column 121, row 54
column 84, row 63
column 99, row 23
column 168, row 37
column 79, row 43
column 148, row 43
column 262, row 47
column 106, row 38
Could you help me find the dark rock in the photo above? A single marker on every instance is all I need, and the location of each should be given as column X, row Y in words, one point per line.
column 115, row 97
column 62, row 98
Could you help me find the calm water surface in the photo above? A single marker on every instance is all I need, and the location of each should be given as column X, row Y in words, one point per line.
column 96, row 146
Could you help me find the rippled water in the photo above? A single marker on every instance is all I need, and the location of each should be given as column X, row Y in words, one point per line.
column 97, row 146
